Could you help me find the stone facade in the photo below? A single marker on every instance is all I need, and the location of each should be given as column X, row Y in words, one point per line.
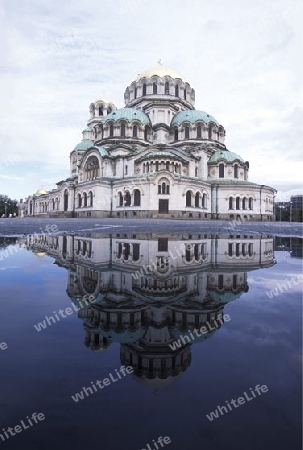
column 157, row 157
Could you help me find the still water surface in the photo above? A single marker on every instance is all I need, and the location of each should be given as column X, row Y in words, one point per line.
column 135, row 301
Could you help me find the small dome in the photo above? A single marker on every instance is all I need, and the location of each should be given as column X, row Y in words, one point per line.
column 192, row 116
column 128, row 114
column 84, row 145
column 160, row 71
column 40, row 192
column 226, row 155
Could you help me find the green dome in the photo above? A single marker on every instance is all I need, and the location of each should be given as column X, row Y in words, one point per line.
column 226, row 155
column 192, row 116
column 84, row 145
column 128, row 114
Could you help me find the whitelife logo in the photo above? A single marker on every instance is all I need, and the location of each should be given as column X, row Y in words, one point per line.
column 24, row 426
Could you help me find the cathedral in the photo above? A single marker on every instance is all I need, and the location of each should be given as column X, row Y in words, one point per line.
column 158, row 157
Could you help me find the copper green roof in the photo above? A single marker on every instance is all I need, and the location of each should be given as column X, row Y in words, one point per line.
column 84, row 145
column 127, row 114
column 225, row 155
column 102, row 151
column 192, row 116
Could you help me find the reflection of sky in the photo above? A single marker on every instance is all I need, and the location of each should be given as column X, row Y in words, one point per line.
column 40, row 371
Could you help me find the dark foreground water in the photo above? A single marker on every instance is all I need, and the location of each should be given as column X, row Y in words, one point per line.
column 197, row 320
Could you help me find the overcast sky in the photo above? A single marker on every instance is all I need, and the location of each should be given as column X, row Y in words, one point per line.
column 243, row 58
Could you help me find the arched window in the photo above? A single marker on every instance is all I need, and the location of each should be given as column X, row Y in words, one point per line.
column 167, row 165
column 184, row 94
column 147, row 167
column 144, row 89
column 188, row 198
column 146, row 133
column 127, row 199
column 244, row 203
column 199, row 132
column 79, row 201
column 90, row 199
column 250, row 203
column 221, row 170
column 109, row 110
column 186, row 132
column 238, row 203
column 91, row 169
column 135, row 131
column 136, row 92
column 120, row 199
column 65, row 200
column 157, row 166
column 163, row 188
column 111, row 131
column 123, row 130
column 177, row 90
column 176, row 134
column 154, row 88
column 197, row 199
column 230, row 203
column 100, row 110
column 204, row 201
column 53, row 204
column 137, row 197
column 166, row 89
column 236, row 170
column 85, row 199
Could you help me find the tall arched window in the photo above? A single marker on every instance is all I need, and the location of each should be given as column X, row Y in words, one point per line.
column 166, row 89
column 135, row 92
column 221, row 170
column 177, row 90
column 90, row 199
column 199, row 132
column 53, row 204
column 111, row 131
column 85, row 199
column 120, row 199
column 197, row 199
column 250, row 202
column 244, row 203
column 144, row 89
column 109, row 110
column 154, row 88
column 157, row 166
column 100, row 110
column 79, row 201
column 186, row 132
column 236, row 170
column 238, row 203
column 176, row 134
column 137, row 197
column 127, row 198
column 123, row 129
column 184, row 94
column 167, row 165
column 135, row 131
column 65, row 200
column 230, row 206
column 188, row 198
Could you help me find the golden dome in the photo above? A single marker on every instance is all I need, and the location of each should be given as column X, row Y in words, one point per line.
column 160, row 71
column 40, row 192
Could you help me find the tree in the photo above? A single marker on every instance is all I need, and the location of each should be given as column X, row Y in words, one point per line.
column 11, row 205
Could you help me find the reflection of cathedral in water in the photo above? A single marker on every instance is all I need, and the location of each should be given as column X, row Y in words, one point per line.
column 149, row 290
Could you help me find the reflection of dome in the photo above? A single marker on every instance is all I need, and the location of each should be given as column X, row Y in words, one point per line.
column 40, row 254
column 156, row 383
column 128, row 114
column 192, row 117
column 125, row 337
column 224, row 297
column 40, row 192
column 160, row 71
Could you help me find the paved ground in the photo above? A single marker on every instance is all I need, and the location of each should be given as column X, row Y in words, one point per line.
column 17, row 227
